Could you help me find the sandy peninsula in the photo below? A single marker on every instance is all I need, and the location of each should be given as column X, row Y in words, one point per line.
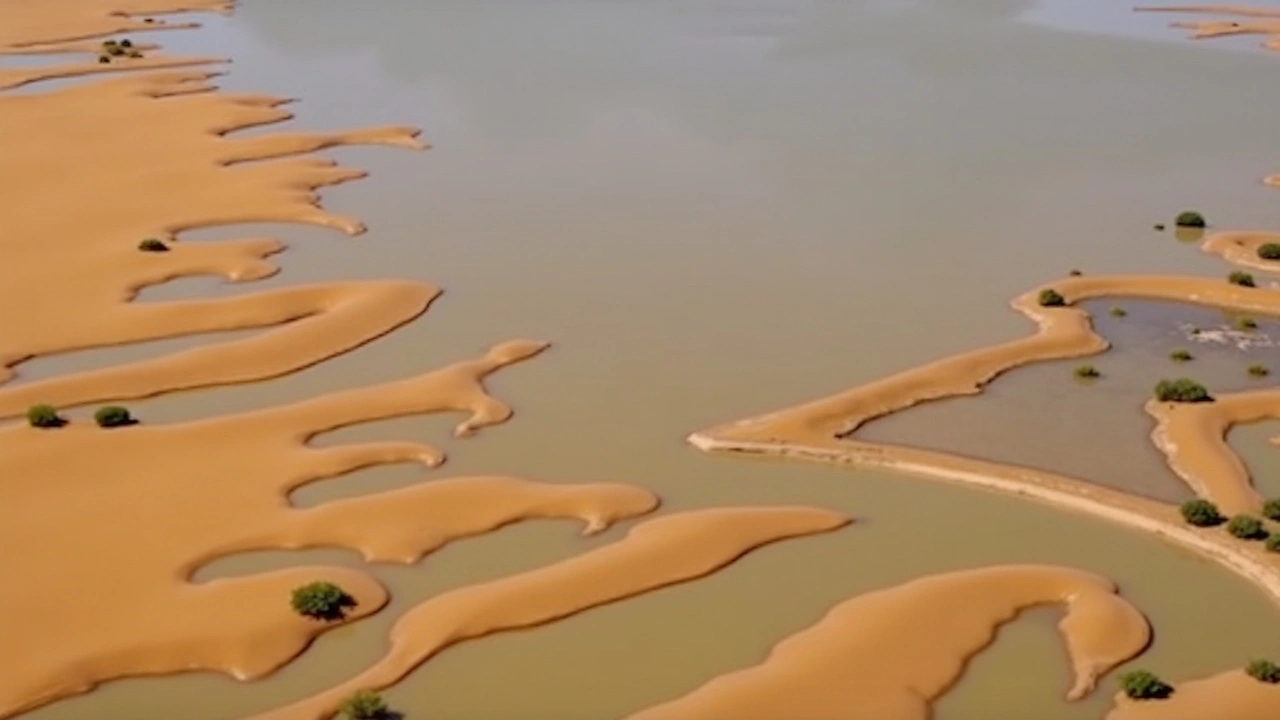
column 1261, row 21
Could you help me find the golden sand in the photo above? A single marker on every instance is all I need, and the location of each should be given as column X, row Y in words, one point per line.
column 887, row 655
column 1265, row 21
column 658, row 553
column 1228, row 696
column 1241, row 248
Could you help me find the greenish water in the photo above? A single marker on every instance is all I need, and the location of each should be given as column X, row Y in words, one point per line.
column 714, row 209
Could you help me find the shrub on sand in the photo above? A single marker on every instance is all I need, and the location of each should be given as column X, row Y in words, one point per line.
column 1246, row 527
column 1050, row 298
column 44, row 416
column 1181, row 390
column 1263, row 671
column 153, row 245
column 364, row 705
column 1190, row 219
column 1201, row 513
column 1246, row 323
column 321, row 601
column 1144, row 685
column 1269, row 251
column 1271, row 509
column 1241, row 278
column 113, row 416
column 1273, row 543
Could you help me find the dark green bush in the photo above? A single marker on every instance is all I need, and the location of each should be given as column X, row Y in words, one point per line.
column 1144, row 685
column 1087, row 371
column 1269, row 251
column 1181, row 390
column 1050, row 298
column 113, row 416
column 1271, row 509
column 1201, row 513
column 1190, row 219
column 1263, row 671
column 1246, row 323
column 1246, row 527
column 126, row 43
column 321, row 601
column 1180, row 355
column 1118, row 312
column 1241, row 278
column 1259, row 370
column 1273, row 543
column 44, row 416
column 364, row 705
column 153, row 245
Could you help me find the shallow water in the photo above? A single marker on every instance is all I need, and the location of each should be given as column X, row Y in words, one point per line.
column 713, row 209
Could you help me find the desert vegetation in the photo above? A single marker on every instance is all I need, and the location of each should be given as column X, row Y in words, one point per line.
column 1180, row 355
column 1087, row 372
column 1189, row 219
column 1181, row 390
column 112, row 416
column 1263, row 671
column 1246, row 527
column 1269, row 251
column 153, row 245
column 1051, row 298
column 1201, row 513
column 1241, row 278
column 1144, row 685
column 44, row 416
column 364, row 705
column 321, row 601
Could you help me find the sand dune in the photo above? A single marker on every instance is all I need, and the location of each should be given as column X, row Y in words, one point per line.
column 886, row 655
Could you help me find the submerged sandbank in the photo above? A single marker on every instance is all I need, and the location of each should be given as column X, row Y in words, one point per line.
column 655, row 554
column 888, row 654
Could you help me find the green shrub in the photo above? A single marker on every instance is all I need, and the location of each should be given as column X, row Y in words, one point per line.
column 1050, row 298
column 44, row 416
column 1201, row 513
column 1269, row 251
column 321, row 601
column 1271, row 509
column 1190, row 219
column 1246, row 527
column 1181, row 390
column 1144, row 685
column 126, row 43
column 364, row 705
column 153, row 245
column 1259, row 370
column 1246, row 323
column 1087, row 372
column 104, row 59
column 1263, row 671
column 1273, row 543
column 1241, row 278
column 113, row 416
column 1180, row 355
column 1118, row 312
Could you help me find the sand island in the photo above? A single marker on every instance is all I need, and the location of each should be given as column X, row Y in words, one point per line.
column 145, row 149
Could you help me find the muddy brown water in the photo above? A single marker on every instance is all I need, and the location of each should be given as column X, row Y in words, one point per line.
column 714, row 209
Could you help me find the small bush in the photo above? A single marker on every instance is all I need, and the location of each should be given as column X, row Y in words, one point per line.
column 104, row 59
column 1050, row 298
column 1241, row 278
column 1246, row 527
column 1246, row 323
column 44, row 416
column 135, row 54
column 1271, row 509
column 112, row 47
column 1075, row 273
column 126, row 43
column 113, row 416
column 153, row 245
column 1273, row 543
column 1263, row 671
column 1159, row 227
column 321, row 601
column 364, row 705
column 1201, row 513
column 1087, row 372
column 1189, row 219
column 1259, row 370
column 1269, row 251
column 1118, row 312
column 1180, row 355
column 1181, row 390
column 1144, row 685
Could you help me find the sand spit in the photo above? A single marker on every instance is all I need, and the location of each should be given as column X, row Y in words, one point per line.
column 1241, row 248
column 52, row 25
column 1193, row 438
column 139, row 508
column 888, row 654
column 1231, row 695
column 824, row 429
column 1266, row 22
column 160, row 164
column 658, row 553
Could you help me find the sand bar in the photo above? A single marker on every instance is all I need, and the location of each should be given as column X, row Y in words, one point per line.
column 1264, row 21
column 658, row 553
column 1231, row 695
column 887, row 654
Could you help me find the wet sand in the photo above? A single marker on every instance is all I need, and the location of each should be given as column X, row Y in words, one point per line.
column 887, row 655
